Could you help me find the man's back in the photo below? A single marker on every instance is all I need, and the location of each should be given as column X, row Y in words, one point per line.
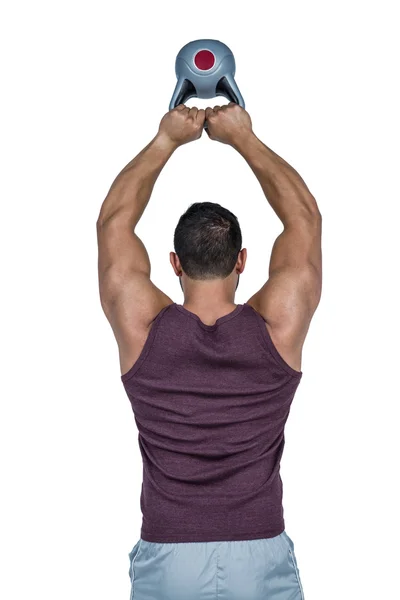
column 210, row 403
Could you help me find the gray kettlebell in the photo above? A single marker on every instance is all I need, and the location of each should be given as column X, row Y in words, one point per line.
column 205, row 69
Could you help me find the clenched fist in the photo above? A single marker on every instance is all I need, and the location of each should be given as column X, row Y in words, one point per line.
column 182, row 124
column 228, row 124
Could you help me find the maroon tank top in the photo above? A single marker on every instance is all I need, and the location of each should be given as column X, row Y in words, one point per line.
column 210, row 403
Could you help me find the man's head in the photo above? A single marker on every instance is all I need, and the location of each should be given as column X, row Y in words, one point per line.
column 208, row 242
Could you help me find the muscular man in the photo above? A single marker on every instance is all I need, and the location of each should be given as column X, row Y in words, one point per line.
column 210, row 381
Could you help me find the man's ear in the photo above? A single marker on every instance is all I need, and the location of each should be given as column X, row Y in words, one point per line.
column 176, row 265
column 241, row 262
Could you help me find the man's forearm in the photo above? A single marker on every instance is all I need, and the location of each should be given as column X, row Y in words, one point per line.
column 132, row 188
column 285, row 190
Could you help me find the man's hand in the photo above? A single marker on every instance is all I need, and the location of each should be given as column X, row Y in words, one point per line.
column 181, row 125
column 228, row 124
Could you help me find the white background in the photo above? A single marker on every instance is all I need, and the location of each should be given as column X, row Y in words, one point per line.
column 85, row 85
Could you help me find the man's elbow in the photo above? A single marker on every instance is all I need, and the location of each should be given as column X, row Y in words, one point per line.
column 311, row 210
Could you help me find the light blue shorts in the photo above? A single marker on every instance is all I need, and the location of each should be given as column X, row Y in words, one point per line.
column 261, row 569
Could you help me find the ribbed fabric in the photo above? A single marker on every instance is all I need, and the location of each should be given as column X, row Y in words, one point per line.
column 210, row 403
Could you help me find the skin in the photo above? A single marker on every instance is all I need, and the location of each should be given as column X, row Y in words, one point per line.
column 291, row 294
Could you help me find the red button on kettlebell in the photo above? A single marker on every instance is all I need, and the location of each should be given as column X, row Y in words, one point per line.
column 204, row 60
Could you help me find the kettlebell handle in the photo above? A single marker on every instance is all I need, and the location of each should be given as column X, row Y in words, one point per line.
column 226, row 88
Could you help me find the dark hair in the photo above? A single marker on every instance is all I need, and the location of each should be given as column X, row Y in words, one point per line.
column 207, row 241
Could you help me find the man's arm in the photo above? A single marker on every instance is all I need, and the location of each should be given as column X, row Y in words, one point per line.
column 289, row 298
column 128, row 297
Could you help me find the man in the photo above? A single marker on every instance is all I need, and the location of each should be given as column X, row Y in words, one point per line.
column 210, row 381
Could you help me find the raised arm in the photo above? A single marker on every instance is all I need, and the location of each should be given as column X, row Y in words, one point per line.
column 290, row 296
column 128, row 297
